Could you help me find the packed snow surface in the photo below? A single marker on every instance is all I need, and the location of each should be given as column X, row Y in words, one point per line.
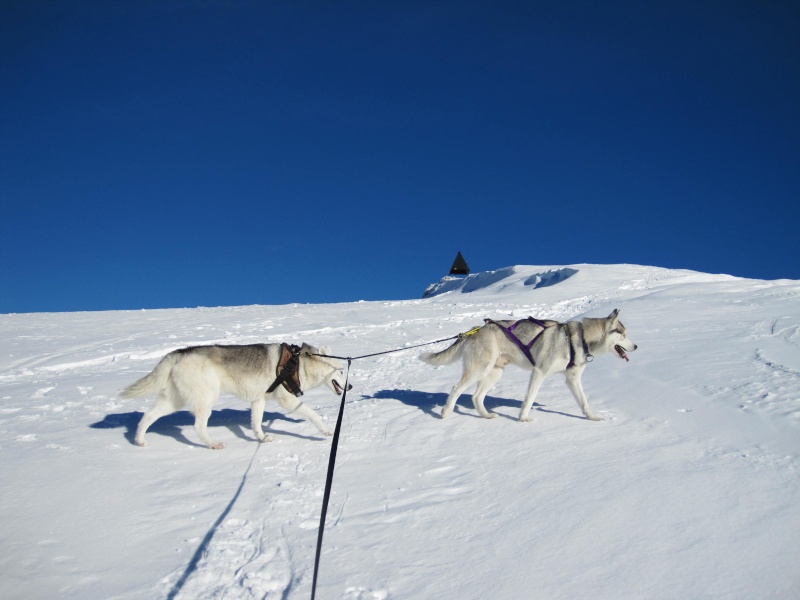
column 688, row 489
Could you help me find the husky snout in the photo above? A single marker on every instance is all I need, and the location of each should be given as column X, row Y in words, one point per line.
column 622, row 352
column 339, row 389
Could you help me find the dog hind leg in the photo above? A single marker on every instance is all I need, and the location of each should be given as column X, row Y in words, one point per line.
column 256, row 415
column 161, row 408
column 533, row 389
column 467, row 379
column 202, row 413
column 196, row 386
column 485, row 384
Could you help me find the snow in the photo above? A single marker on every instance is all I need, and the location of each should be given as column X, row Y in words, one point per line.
column 688, row 489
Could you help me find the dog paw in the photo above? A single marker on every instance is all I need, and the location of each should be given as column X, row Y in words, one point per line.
column 526, row 419
column 217, row 446
column 594, row 418
column 266, row 438
column 445, row 413
column 327, row 432
column 140, row 443
column 489, row 415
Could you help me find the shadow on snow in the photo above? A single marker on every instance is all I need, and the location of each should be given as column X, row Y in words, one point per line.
column 173, row 425
column 432, row 403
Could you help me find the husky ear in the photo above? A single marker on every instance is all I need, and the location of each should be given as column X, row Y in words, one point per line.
column 614, row 316
column 325, row 350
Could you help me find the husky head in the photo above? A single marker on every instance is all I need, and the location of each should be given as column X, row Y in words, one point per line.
column 605, row 335
column 319, row 368
column 617, row 336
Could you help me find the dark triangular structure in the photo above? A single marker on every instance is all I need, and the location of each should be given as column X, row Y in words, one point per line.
column 460, row 266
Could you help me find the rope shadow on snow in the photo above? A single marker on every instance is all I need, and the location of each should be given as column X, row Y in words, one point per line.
column 173, row 425
column 191, row 567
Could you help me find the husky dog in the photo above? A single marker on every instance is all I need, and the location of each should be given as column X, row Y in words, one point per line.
column 545, row 347
column 193, row 378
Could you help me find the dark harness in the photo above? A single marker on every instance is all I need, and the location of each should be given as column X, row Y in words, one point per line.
column 509, row 331
column 288, row 370
column 572, row 329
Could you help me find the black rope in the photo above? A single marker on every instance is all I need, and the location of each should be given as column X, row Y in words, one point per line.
column 329, row 482
column 349, row 358
column 335, row 445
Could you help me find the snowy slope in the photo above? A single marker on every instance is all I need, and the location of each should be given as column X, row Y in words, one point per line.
column 688, row 489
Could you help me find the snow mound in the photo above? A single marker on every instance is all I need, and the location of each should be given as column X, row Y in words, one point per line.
column 487, row 279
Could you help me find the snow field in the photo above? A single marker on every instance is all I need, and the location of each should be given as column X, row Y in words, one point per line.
column 689, row 488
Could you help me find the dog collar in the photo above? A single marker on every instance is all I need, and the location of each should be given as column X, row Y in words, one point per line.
column 575, row 330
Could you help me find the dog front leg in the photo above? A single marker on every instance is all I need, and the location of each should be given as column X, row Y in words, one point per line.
column 576, row 387
column 533, row 389
column 307, row 413
column 256, row 415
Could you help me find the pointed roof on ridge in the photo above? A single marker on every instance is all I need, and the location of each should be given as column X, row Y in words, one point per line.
column 460, row 266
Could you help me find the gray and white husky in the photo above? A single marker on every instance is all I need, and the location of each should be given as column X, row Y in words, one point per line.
column 545, row 347
column 193, row 378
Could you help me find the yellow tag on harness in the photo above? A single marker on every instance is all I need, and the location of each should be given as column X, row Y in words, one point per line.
column 470, row 332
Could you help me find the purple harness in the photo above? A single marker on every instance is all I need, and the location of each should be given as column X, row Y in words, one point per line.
column 509, row 331
column 526, row 348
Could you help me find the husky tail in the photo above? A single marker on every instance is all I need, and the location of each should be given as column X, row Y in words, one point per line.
column 153, row 383
column 446, row 356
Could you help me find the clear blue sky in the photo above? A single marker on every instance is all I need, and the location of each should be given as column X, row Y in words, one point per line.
column 203, row 153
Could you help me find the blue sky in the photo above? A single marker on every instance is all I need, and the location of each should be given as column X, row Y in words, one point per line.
column 158, row 154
